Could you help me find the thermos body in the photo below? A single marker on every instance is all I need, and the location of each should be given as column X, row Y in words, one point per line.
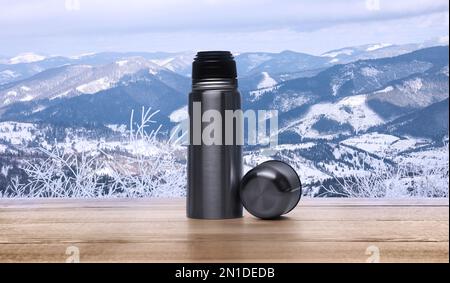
column 216, row 189
column 214, row 170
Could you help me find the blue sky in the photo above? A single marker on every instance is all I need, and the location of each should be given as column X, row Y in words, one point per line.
column 69, row 27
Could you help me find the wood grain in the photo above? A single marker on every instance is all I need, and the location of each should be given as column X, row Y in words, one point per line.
column 156, row 230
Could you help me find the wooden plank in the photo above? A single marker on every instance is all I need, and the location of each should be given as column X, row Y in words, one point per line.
column 180, row 202
column 226, row 251
column 142, row 214
column 127, row 230
column 230, row 230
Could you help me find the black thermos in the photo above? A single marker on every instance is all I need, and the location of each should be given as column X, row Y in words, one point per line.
column 214, row 169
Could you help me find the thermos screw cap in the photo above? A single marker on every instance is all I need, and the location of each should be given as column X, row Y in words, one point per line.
column 214, row 65
column 270, row 190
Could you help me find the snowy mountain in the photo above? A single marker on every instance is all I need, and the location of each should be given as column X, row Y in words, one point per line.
column 365, row 76
column 430, row 122
column 342, row 99
column 15, row 72
column 281, row 66
column 180, row 63
column 414, row 92
column 108, row 104
column 24, row 69
column 73, row 80
column 351, row 98
column 374, row 122
column 368, row 51
column 246, row 62
column 377, row 50
column 26, row 58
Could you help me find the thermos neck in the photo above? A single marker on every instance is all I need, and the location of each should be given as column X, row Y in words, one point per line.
column 224, row 84
column 212, row 67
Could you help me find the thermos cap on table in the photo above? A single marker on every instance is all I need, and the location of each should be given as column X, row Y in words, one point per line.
column 270, row 190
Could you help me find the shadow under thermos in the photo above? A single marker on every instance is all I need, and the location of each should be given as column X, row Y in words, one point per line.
column 214, row 165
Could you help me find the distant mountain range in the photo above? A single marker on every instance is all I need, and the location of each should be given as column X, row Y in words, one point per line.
column 341, row 92
column 25, row 66
column 74, row 80
column 283, row 66
column 341, row 114
column 353, row 97
column 376, row 51
column 164, row 91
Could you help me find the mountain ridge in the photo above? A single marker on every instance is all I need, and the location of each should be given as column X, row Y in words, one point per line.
column 338, row 97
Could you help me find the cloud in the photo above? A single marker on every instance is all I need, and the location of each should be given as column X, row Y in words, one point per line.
column 56, row 16
column 253, row 24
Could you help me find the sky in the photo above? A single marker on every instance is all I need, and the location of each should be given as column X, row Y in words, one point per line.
column 71, row 27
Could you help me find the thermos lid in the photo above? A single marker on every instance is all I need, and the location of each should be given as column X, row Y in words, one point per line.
column 270, row 190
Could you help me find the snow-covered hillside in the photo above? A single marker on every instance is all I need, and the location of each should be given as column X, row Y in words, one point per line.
column 73, row 80
column 26, row 58
column 324, row 120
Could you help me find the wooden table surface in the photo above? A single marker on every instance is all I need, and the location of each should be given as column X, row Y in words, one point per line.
column 156, row 230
